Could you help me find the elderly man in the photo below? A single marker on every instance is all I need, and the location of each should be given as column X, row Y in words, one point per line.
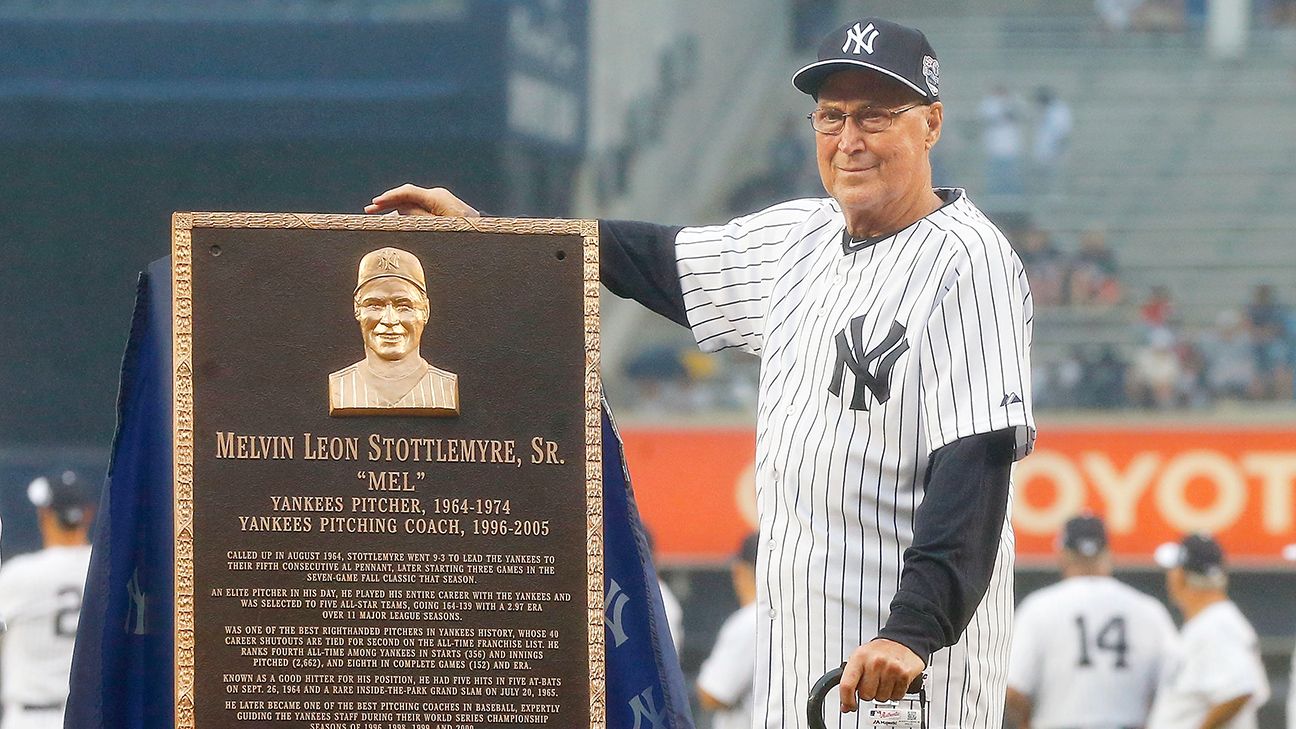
column 391, row 305
column 1217, row 680
column 893, row 323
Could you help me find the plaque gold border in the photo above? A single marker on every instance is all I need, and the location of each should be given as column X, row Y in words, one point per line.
column 182, row 225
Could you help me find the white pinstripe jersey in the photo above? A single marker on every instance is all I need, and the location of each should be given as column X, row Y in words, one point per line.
column 927, row 332
column 436, row 391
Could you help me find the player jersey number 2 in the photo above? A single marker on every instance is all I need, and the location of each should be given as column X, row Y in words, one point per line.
column 1109, row 638
column 68, row 613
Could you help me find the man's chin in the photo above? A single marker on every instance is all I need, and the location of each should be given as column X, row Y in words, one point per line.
column 391, row 354
column 857, row 196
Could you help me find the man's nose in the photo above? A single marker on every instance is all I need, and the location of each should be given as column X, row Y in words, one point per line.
column 389, row 315
column 852, row 137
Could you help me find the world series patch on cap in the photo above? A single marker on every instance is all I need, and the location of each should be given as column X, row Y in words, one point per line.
column 891, row 49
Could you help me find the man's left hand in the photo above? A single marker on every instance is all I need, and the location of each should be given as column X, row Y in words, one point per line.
column 880, row 670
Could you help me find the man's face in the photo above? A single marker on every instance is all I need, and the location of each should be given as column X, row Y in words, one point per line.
column 392, row 313
column 866, row 172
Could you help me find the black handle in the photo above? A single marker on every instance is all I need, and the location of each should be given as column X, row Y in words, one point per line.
column 826, row 683
column 814, row 707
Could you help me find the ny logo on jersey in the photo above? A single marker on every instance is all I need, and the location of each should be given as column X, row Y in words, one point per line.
column 862, row 38
column 877, row 382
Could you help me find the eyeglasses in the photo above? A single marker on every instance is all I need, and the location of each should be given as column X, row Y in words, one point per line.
column 870, row 118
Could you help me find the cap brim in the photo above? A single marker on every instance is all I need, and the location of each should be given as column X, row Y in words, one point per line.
column 1168, row 555
column 39, row 492
column 808, row 78
column 401, row 276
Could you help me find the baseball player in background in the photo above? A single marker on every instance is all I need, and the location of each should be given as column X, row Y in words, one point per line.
column 1216, row 679
column 1289, row 552
column 724, row 684
column 3, row 627
column 1089, row 651
column 40, row 599
column 893, row 324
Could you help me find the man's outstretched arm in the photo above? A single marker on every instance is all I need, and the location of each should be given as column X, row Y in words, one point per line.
column 636, row 260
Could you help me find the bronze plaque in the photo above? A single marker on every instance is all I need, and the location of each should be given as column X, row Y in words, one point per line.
column 387, row 472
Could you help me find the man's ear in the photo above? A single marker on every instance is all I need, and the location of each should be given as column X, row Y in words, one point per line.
column 935, row 122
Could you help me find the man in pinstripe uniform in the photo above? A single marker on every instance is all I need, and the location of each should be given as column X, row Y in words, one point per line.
column 893, row 323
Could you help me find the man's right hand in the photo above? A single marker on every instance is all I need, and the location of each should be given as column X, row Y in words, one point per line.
column 414, row 200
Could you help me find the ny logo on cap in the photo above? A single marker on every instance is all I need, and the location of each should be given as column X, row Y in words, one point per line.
column 388, row 260
column 862, row 38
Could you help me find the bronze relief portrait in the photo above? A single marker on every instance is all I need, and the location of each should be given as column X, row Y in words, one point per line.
column 391, row 305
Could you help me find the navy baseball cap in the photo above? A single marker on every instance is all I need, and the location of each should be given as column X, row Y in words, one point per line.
column 888, row 48
column 1085, row 535
column 1197, row 553
column 64, row 493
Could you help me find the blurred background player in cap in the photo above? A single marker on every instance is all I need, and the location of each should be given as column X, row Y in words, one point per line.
column 1217, row 679
column 1289, row 553
column 1089, row 651
column 725, row 682
column 40, row 600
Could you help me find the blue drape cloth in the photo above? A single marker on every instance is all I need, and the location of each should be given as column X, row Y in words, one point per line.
column 122, row 670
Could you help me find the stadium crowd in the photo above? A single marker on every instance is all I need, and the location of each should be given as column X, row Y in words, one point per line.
column 1246, row 356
